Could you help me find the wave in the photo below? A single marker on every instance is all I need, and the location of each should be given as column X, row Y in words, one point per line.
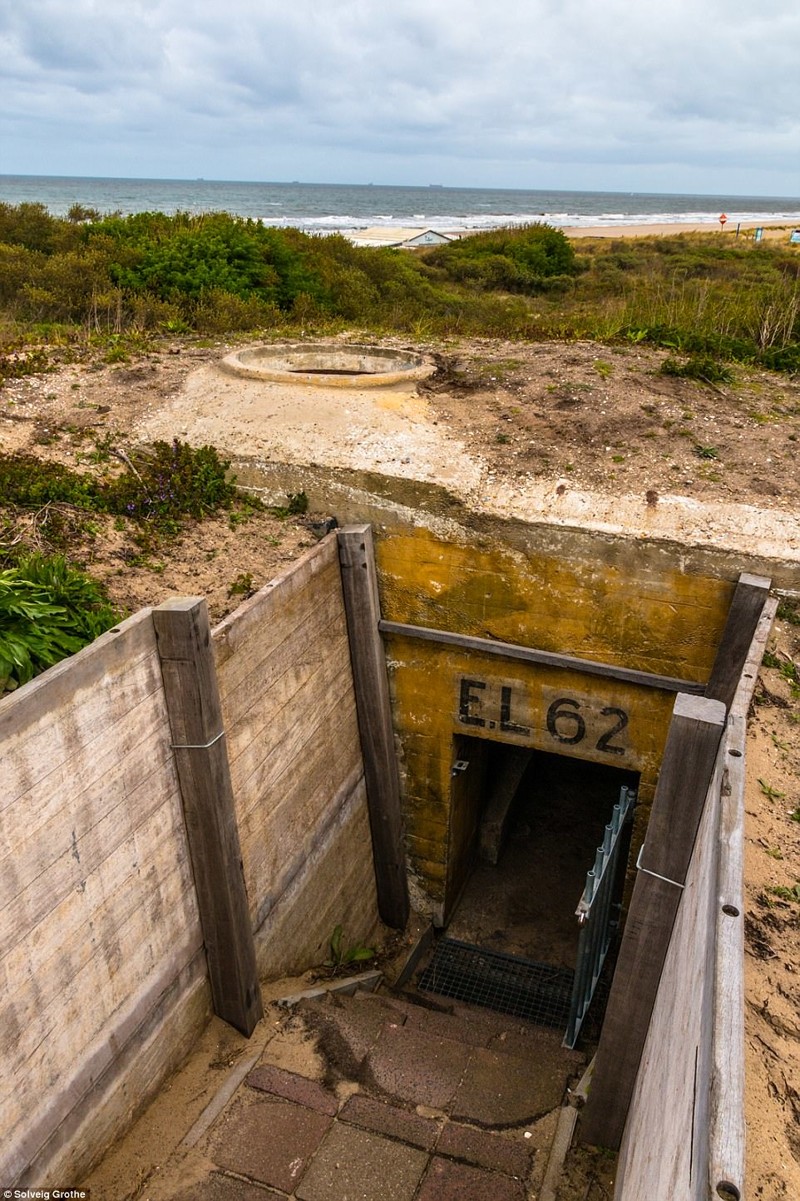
column 327, row 208
column 476, row 222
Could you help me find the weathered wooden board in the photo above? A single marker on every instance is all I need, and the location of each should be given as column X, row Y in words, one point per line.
column 300, row 707
column 683, row 785
column 184, row 644
column 747, row 605
column 99, row 922
column 251, row 637
column 88, row 693
column 71, row 1061
column 362, row 609
column 283, row 778
column 685, row 1131
column 106, row 1095
column 299, row 648
column 292, row 827
column 294, row 844
column 660, row 1132
column 335, row 886
column 726, row 1104
column 100, row 941
column 57, row 857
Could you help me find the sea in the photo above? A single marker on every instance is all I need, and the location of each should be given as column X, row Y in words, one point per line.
column 349, row 208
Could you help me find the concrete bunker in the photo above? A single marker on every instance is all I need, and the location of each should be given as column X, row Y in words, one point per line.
column 329, row 366
column 563, row 673
column 558, row 651
column 352, row 689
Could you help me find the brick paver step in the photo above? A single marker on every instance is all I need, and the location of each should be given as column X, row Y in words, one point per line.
column 415, row 1067
column 373, row 1115
column 448, row 1181
column 291, row 1087
column 269, row 1140
column 357, row 1165
column 486, row 1149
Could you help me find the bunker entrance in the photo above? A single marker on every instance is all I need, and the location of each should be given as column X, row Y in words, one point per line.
column 525, row 830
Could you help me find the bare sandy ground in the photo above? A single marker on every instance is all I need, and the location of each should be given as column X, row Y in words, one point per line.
column 416, row 436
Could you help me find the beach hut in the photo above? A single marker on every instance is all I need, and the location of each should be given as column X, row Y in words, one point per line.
column 429, row 237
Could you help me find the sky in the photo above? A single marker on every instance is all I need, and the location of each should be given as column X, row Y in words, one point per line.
column 692, row 96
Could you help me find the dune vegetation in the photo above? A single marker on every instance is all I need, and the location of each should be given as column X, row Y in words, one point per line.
column 115, row 282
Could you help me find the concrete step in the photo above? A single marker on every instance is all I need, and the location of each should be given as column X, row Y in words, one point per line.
column 464, row 1062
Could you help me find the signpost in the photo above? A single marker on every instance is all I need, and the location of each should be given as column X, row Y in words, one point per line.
column 723, row 217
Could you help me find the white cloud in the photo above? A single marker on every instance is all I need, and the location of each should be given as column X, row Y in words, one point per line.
column 495, row 93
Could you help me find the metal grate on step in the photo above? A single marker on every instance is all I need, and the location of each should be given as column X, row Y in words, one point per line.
column 535, row 991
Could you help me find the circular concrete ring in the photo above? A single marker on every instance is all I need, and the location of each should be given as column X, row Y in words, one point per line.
column 328, row 366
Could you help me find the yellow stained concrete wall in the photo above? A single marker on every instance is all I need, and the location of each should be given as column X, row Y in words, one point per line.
column 612, row 604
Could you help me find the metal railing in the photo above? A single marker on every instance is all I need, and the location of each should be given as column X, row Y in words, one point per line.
column 597, row 916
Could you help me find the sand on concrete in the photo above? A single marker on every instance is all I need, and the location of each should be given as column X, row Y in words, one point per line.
column 399, row 433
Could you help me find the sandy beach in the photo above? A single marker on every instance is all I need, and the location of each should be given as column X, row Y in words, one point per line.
column 391, row 235
column 772, row 229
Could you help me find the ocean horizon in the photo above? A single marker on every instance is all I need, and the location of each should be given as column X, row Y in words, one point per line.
column 348, row 208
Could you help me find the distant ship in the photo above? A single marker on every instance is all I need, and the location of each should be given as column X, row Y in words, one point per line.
column 435, row 185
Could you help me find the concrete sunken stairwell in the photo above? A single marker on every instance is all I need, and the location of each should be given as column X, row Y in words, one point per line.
column 345, row 721
column 412, row 1103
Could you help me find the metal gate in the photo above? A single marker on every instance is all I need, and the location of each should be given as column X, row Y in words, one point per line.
column 597, row 916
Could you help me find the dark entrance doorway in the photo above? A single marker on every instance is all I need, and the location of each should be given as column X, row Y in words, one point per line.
column 525, row 903
column 525, row 826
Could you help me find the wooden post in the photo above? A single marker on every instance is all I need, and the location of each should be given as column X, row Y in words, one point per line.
column 748, row 602
column 190, row 684
column 362, row 609
column 683, row 783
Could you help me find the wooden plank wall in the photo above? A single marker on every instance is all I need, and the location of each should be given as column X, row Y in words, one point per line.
column 656, row 1152
column 287, row 698
column 685, row 1131
column 102, row 965
column 102, row 971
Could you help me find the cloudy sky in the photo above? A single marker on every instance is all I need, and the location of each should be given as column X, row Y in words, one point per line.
column 643, row 95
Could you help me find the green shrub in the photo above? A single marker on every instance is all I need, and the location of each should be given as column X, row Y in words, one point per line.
column 697, row 295
column 48, row 610
column 511, row 260
column 169, row 482
column 221, row 312
column 190, row 256
column 161, row 487
column 699, row 367
column 29, row 225
column 31, row 483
